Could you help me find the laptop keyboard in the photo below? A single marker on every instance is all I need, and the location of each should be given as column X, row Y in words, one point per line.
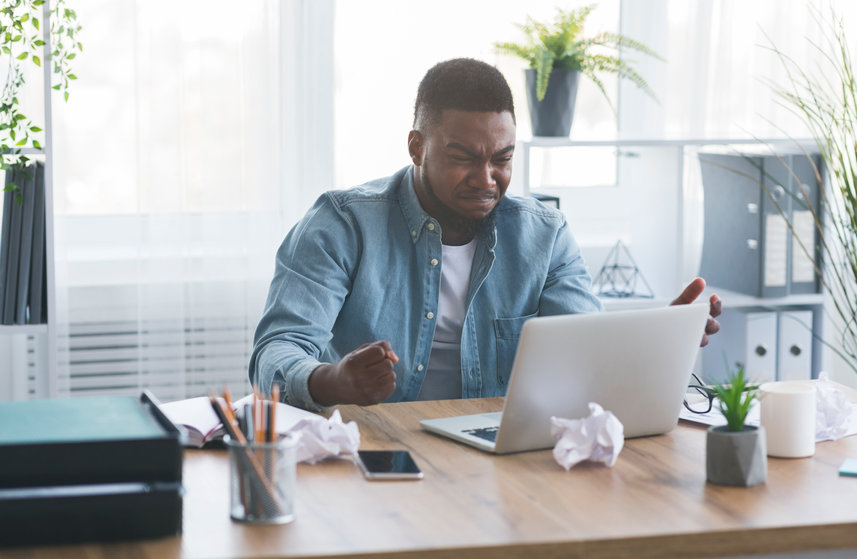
column 487, row 433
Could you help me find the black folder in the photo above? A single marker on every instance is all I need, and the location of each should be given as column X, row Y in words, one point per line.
column 83, row 513
column 89, row 440
column 88, row 469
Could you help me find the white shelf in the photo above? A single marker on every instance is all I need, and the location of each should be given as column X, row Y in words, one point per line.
column 26, row 329
column 733, row 300
column 542, row 141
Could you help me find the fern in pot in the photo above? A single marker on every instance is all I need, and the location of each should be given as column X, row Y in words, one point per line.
column 557, row 54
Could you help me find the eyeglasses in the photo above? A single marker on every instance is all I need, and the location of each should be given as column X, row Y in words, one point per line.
column 697, row 388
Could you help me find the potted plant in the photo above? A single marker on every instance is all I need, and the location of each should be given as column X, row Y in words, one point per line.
column 824, row 97
column 557, row 54
column 735, row 453
column 22, row 41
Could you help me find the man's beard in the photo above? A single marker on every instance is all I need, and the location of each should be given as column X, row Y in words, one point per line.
column 448, row 217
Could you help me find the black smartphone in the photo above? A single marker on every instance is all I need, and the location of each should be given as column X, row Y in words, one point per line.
column 388, row 464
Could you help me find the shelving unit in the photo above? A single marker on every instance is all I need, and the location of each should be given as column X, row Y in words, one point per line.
column 668, row 229
column 15, row 336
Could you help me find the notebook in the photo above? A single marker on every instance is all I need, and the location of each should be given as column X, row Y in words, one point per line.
column 634, row 363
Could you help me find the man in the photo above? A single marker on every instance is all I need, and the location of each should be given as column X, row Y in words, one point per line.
column 416, row 286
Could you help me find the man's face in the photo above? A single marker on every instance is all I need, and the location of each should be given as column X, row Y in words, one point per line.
column 464, row 163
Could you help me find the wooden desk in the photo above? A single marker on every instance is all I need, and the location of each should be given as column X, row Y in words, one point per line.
column 653, row 503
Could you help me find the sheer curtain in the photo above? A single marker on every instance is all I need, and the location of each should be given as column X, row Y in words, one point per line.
column 715, row 82
column 181, row 160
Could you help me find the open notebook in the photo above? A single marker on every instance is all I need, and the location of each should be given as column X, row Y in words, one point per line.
column 634, row 363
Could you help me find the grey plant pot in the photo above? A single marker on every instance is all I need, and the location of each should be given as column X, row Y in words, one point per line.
column 736, row 457
column 552, row 116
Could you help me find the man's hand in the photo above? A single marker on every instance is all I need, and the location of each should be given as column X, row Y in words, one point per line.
column 364, row 377
column 690, row 294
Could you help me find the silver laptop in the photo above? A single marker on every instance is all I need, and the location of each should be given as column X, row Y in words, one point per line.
column 634, row 363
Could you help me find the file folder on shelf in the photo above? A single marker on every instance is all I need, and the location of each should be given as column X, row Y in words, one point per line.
column 747, row 245
column 745, row 338
column 794, row 352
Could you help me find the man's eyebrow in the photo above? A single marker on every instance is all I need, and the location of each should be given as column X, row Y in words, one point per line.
column 470, row 152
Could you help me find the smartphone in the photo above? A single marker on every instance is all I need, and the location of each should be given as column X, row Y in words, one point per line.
column 388, row 464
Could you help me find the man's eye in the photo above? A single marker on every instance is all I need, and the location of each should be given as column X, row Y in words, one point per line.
column 462, row 158
column 503, row 160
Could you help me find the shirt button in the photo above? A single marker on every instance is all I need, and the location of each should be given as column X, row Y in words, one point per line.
column 420, row 367
column 413, row 233
column 431, row 226
column 434, row 261
column 429, row 315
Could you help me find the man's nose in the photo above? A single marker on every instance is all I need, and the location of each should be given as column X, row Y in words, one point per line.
column 484, row 177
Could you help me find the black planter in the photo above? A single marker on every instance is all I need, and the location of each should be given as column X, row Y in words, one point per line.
column 552, row 115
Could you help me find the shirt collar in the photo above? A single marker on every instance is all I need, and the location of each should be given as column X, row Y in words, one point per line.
column 416, row 217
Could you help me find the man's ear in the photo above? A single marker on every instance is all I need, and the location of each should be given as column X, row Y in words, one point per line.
column 416, row 146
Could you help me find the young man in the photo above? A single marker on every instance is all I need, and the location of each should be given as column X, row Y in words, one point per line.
column 416, row 286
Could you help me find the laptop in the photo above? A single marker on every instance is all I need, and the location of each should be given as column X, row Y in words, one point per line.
column 634, row 363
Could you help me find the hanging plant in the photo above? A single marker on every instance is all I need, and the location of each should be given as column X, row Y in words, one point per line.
column 22, row 41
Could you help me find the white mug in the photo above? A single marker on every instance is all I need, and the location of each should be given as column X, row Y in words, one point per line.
column 787, row 410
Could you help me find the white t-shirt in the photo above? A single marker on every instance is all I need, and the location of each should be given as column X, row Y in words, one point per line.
column 443, row 375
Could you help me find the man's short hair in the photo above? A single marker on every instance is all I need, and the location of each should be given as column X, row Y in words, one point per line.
column 463, row 84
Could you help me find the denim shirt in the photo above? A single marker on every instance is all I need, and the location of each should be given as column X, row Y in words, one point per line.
column 364, row 265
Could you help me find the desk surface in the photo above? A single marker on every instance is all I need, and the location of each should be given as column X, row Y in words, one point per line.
column 653, row 503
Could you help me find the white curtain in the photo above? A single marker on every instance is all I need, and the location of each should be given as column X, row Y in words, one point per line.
column 186, row 151
column 716, row 79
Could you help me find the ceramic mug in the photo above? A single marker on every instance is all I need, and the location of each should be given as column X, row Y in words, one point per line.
column 787, row 410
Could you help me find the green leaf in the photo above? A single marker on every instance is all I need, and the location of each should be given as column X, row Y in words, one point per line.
column 65, row 95
column 35, row 129
column 37, row 61
column 36, row 22
column 72, row 77
column 36, row 144
column 39, row 43
column 21, row 56
column 57, row 87
column 71, row 56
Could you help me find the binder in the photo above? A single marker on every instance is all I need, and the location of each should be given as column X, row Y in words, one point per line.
column 12, row 244
column 28, row 192
column 81, row 513
column 802, row 274
column 92, row 440
column 5, row 229
column 747, row 245
column 794, row 353
column 38, row 264
column 745, row 338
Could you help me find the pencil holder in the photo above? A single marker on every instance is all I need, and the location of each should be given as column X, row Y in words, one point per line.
column 262, row 481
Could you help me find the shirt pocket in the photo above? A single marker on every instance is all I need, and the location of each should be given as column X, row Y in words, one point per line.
column 508, row 332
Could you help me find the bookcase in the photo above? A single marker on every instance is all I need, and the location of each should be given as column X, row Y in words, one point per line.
column 17, row 355
column 648, row 193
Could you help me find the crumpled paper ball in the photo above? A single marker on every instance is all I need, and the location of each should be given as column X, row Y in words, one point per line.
column 833, row 410
column 319, row 438
column 599, row 437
